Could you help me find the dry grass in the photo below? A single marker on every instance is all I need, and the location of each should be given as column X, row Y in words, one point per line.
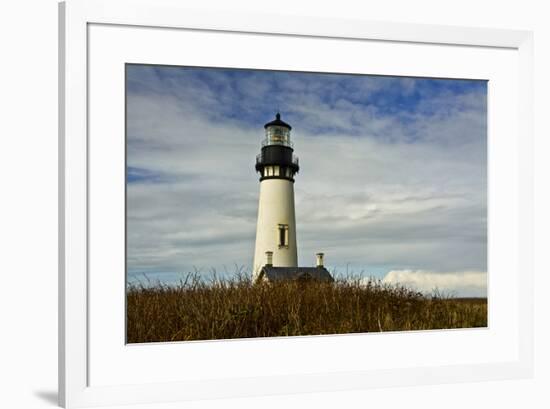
column 222, row 309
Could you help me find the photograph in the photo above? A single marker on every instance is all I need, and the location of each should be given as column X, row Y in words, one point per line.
column 265, row 203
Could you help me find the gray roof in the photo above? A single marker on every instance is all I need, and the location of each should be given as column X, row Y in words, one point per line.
column 295, row 273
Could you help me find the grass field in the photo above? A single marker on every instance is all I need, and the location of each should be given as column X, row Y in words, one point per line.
column 224, row 309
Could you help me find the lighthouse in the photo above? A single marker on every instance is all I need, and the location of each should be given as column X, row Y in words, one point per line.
column 276, row 230
column 276, row 253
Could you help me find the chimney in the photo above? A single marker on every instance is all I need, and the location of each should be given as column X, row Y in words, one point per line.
column 269, row 255
column 320, row 257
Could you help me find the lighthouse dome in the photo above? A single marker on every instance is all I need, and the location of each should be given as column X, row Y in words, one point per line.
column 278, row 122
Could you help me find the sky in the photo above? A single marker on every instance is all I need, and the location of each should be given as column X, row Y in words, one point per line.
column 392, row 182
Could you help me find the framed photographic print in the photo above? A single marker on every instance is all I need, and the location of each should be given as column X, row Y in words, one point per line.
column 391, row 184
column 239, row 197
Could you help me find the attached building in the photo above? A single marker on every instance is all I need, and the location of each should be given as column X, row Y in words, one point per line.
column 269, row 273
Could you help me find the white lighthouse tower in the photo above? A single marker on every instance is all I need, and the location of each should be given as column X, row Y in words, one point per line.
column 276, row 230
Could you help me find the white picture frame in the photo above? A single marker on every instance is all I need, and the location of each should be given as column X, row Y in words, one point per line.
column 75, row 361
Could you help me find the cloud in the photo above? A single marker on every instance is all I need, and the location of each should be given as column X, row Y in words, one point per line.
column 466, row 283
column 393, row 170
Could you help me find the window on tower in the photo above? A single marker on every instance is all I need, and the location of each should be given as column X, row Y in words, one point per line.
column 283, row 235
